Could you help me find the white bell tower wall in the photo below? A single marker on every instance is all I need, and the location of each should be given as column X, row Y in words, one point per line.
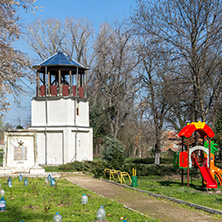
column 62, row 128
column 60, row 112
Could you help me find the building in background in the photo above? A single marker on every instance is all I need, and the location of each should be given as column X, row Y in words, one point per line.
column 170, row 141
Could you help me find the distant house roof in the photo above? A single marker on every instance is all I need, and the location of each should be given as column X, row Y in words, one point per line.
column 170, row 141
column 59, row 59
column 170, row 135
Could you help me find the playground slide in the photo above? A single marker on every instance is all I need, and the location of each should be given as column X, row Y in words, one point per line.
column 211, row 183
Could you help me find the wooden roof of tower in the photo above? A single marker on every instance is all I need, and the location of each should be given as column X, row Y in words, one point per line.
column 61, row 60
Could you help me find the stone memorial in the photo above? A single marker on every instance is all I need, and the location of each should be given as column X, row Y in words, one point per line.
column 20, row 153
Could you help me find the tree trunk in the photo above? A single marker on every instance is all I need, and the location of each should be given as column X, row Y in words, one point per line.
column 134, row 151
column 157, row 152
column 140, row 151
column 157, row 159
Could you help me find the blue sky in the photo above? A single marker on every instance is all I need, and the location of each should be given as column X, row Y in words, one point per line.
column 97, row 11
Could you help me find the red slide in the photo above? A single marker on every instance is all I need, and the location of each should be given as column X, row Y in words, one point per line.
column 205, row 171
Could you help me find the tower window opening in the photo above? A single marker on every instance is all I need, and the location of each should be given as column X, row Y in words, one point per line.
column 77, row 109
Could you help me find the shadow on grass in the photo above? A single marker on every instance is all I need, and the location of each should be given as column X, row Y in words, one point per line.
column 198, row 187
column 219, row 200
column 14, row 214
column 178, row 183
column 169, row 183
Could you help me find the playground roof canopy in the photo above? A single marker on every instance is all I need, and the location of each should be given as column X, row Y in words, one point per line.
column 201, row 127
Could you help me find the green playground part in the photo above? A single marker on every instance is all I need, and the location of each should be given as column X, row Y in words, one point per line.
column 176, row 160
column 213, row 148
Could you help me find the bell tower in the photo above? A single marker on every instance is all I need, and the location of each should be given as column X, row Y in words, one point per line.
column 60, row 111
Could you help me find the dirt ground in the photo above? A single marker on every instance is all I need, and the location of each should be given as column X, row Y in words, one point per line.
column 163, row 210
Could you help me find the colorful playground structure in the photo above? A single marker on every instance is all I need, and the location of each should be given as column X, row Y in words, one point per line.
column 201, row 155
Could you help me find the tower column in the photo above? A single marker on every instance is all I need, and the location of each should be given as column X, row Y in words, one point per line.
column 44, row 79
column 77, row 82
column 37, row 90
column 85, row 82
column 59, row 82
column 70, row 82
column 49, row 83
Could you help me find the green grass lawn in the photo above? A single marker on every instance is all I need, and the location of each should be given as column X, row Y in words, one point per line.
column 172, row 188
column 39, row 202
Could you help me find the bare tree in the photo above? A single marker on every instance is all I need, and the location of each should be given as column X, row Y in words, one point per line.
column 73, row 36
column 113, row 84
column 79, row 35
column 192, row 32
column 13, row 63
column 137, row 133
column 157, row 83
column 45, row 36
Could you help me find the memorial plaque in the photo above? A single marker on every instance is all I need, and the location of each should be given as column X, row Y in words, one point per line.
column 20, row 153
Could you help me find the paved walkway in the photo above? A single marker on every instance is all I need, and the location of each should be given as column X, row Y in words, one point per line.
column 164, row 210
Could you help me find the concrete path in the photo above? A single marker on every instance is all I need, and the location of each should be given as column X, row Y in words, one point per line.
column 164, row 210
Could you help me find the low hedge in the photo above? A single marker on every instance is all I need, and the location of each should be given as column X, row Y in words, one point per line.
column 79, row 166
column 146, row 170
column 149, row 160
column 97, row 168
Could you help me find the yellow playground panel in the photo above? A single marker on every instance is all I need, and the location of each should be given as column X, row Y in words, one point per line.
column 119, row 174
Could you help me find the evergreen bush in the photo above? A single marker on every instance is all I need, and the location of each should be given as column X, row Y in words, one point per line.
column 113, row 153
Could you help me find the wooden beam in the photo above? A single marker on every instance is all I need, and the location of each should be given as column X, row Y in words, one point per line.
column 59, row 82
column 49, row 83
column 70, row 82
column 188, row 170
column 77, row 81
column 38, row 89
column 44, row 79
column 209, row 141
column 182, row 169
column 85, row 82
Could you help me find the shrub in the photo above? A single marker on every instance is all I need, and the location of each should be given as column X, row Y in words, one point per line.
column 77, row 166
column 99, row 168
column 146, row 170
column 113, row 153
column 96, row 167
column 150, row 160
